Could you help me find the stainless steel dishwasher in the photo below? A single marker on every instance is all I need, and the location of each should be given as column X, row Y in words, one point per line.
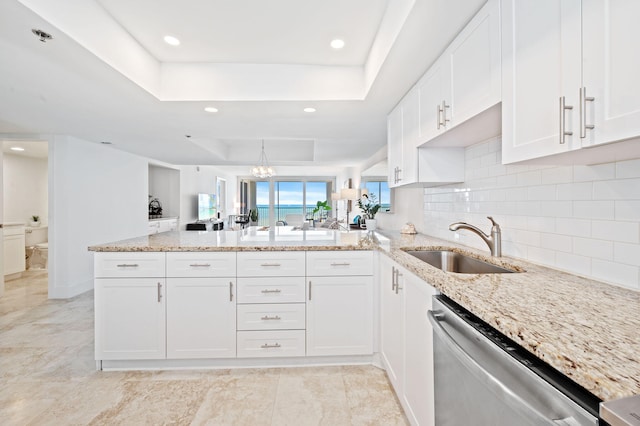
column 483, row 378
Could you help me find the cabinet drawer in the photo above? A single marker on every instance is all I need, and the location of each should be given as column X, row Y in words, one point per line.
column 201, row 264
column 271, row 290
column 129, row 264
column 283, row 316
column 335, row 263
column 271, row 264
column 264, row 344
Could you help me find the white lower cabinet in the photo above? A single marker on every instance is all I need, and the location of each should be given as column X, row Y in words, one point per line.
column 130, row 318
column 406, row 340
column 14, row 250
column 340, row 315
column 201, row 318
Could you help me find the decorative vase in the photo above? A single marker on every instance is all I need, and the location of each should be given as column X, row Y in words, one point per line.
column 371, row 224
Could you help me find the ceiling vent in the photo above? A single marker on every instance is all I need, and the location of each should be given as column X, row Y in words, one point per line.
column 44, row 37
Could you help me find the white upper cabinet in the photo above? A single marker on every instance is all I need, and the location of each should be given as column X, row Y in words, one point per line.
column 569, row 79
column 541, row 77
column 403, row 137
column 611, row 38
column 394, row 145
column 464, row 81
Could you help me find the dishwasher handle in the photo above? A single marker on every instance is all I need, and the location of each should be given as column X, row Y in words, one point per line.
column 510, row 398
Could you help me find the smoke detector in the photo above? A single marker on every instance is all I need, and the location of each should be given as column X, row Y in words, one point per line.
column 44, row 37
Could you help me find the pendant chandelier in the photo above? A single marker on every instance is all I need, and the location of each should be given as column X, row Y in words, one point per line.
column 262, row 170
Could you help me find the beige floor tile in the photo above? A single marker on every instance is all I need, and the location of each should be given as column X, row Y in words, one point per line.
column 48, row 376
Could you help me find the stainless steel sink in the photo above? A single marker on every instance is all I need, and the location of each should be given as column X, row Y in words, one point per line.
column 451, row 261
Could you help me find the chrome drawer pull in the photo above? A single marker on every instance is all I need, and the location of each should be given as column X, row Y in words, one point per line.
column 197, row 265
column 127, row 265
column 270, row 264
column 266, row 318
column 268, row 346
column 341, row 264
column 266, row 290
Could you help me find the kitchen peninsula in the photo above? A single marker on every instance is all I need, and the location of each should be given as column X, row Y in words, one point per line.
column 587, row 330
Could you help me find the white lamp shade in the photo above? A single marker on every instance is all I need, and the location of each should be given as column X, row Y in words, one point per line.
column 363, row 192
column 349, row 194
column 335, row 196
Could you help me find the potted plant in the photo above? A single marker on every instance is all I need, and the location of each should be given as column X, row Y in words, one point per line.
column 369, row 206
column 321, row 207
column 253, row 217
column 35, row 221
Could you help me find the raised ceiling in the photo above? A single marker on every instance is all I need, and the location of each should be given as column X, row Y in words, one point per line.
column 107, row 74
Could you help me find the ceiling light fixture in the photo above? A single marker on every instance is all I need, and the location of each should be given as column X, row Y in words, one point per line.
column 105, row 142
column 173, row 41
column 17, row 148
column 337, row 43
column 44, row 37
column 263, row 170
column 211, row 109
column 309, row 109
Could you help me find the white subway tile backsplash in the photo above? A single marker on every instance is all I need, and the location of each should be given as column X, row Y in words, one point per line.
column 594, row 209
column 581, row 219
column 627, row 210
column 616, row 273
column 572, row 226
column 589, row 247
column 626, row 232
column 575, row 191
column 628, row 169
column 628, row 254
column 594, row 173
column 623, row 189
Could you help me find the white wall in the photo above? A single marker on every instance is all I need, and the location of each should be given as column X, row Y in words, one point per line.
column 582, row 219
column 25, row 188
column 96, row 195
column 202, row 179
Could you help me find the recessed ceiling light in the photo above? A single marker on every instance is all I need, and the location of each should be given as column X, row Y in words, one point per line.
column 337, row 43
column 309, row 109
column 171, row 40
column 17, row 148
column 105, row 142
column 211, row 109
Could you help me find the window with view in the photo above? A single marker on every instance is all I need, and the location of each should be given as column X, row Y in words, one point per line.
column 380, row 188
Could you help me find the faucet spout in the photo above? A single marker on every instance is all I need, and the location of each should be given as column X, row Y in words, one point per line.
column 494, row 240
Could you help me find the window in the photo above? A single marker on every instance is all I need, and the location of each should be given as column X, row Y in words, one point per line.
column 380, row 188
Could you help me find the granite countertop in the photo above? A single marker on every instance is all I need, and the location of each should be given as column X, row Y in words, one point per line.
column 280, row 238
column 586, row 329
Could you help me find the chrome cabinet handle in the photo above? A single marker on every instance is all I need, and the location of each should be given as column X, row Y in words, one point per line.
column 269, row 264
column 200, row 265
column 159, row 292
column 563, row 108
column 267, row 346
column 445, row 120
column 268, row 290
column 398, row 179
column 230, row 291
column 583, row 112
column 393, row 278
column 127, row 265
column 268, row 318
column 398, row 274
column 439, row 111
column 340, row 264
column 309, row 290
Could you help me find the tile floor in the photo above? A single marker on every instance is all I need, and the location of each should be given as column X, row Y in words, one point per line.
column 48, row 377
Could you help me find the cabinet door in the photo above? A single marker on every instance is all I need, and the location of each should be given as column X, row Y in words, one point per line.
column 434, row 89
column 391, row 325
column 541, row 58
column 130, row 318
column 394, row 145
column 611, row 37
column 474, row 65
column 340, row 316
column 14, row 254
column 410, row 137
column 201, row 318
column 418, row 382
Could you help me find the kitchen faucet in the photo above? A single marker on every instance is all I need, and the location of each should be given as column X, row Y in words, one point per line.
column 493, row 241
